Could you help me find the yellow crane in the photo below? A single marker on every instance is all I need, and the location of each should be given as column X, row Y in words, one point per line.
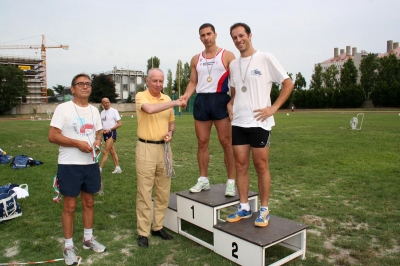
column 42, row 48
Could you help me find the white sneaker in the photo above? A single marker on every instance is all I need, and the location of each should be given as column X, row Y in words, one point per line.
column 70, row 257
column 117, row 171
column 230, row 190
column 200, row 186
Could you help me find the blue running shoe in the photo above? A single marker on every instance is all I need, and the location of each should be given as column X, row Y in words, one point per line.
column 238, row 215
column 263, row 218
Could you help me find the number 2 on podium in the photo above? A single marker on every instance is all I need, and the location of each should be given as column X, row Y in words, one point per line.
column 234, row 250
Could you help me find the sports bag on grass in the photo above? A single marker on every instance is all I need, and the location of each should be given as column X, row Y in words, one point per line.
column 9, row 207
column 23, row 161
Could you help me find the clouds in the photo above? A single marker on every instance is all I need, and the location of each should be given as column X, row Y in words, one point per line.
column 104, row 34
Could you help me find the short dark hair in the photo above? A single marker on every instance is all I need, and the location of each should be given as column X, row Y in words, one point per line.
column 241, row 24
column 78, row 76
column 206, row 25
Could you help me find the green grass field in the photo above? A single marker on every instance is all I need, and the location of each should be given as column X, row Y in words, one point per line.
column 344, row 184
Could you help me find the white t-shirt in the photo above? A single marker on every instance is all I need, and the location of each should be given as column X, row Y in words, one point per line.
column 109, row 118
column 264, row 69
column 79, row 123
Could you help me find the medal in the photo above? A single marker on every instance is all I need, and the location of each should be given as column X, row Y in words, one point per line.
column 244, row 88
column 209, row 79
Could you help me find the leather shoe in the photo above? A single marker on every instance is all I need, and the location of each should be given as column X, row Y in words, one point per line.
column 161, row 233
column 143, row 242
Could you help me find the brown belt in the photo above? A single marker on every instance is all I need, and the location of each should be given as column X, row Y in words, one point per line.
column 152, row 141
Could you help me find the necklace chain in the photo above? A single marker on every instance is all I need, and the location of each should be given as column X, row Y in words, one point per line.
column 240, row 67
column 80, row 120
column 205, row 56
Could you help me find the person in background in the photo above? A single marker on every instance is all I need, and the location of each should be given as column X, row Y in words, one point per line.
column 76, row 128
column 111, row 122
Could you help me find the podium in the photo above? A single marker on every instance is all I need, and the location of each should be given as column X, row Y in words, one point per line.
column 240, row 242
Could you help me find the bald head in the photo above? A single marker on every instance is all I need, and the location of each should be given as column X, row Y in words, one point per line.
column 106, row 103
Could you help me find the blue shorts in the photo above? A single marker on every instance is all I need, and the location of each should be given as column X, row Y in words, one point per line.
column 211, row 106
column 257, row 137
column 112, row 134
column 74, row 178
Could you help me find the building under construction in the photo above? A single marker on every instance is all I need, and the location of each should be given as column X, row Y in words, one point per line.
column 33, row 69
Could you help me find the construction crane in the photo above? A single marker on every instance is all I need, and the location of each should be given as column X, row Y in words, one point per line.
column 42, row 48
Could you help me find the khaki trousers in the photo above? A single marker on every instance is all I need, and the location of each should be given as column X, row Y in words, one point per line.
column 150, row 174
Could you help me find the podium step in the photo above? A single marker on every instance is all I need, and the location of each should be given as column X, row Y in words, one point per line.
column 245, row 244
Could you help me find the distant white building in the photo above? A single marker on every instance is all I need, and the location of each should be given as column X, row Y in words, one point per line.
column 339, row 59
column 126, row 82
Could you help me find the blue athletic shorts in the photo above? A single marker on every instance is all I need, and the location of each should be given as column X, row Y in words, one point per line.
column 257, row 137
column 112, row 134
column 210, row 106
column 74, row 178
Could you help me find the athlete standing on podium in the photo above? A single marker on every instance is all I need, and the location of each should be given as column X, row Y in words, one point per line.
column 251, row 112
column 209, row 78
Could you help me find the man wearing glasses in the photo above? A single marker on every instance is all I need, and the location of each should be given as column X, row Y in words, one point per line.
column 76, row 127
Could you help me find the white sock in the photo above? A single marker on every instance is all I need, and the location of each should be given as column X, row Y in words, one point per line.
column 118, row 167
column 264, row 207
column 245, row 206
column 87, row 234
column 231, row 181
column 204, row 179
column 68, row 242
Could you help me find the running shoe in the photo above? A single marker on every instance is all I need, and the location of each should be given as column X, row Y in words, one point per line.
column 238, row 215
column 70, row 257
column 263, row 218
column 94, row 245
column 117, row 171
column 200, row 186
column 230, row 190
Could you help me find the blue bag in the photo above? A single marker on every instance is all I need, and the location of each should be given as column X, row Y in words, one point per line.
column 9, row 207
column 23, row 161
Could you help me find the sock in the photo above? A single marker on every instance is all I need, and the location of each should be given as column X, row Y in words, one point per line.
column 231, row 181
column 87, row 234
column 204, row 179
column 118, row 167
column 68, row 242
column 264, row 207
column 245, row 206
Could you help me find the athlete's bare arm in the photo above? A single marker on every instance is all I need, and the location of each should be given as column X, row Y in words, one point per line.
column 228, row 58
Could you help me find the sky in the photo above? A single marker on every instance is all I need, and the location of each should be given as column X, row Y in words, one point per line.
column 102, row 34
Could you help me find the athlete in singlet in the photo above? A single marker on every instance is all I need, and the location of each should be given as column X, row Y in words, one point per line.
column 209, row 78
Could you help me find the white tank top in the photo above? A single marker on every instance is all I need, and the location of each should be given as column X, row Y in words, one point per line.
column 218, row 73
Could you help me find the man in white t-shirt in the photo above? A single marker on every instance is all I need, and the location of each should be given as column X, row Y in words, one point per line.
column 251, row 113
column 111, row 121
column 76, row 128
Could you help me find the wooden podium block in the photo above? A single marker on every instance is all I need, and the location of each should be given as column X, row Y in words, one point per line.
column 245, row 244
column 203, row 209
column 171, row 216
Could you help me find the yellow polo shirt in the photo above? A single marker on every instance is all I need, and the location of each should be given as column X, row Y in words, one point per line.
column 152, row 126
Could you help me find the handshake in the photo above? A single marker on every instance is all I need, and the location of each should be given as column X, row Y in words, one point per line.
column 182, row 101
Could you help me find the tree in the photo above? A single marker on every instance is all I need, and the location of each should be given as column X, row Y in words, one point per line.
column 300, row 82
column 13, row 87
column 179, row 75
column 348, row 75
column 316, row 78
column 274, row 92
column 168, row 89
column 50, row 92
column 329, row 77
column 153, row 62
column 368, row 70
column 59, row 89
column 185, row 77
column 102, row 86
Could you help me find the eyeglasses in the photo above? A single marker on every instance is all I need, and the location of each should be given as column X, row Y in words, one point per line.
column 83, row 84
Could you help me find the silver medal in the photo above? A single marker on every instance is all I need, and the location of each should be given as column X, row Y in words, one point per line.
column 244, row 89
